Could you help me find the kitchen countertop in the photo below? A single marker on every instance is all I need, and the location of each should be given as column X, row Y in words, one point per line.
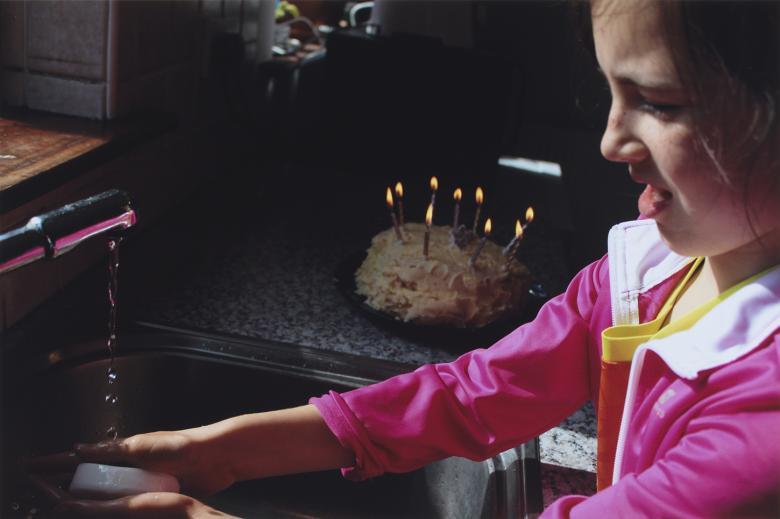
column 259, row 262
column 275, row 280
column 40, row 152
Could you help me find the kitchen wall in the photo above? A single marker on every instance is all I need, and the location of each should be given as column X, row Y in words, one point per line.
column 100, row 59
column 103, row 59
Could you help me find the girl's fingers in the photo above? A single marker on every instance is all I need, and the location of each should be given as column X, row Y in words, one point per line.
column 163, row 505
column 59, row 462
column 84, row 508
column 102, row 452
column 109, row 451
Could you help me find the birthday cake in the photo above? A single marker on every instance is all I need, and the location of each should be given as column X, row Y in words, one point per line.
column 446, row 288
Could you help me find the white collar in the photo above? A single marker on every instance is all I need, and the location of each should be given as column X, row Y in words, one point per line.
column 638, row 261
column 733, row 328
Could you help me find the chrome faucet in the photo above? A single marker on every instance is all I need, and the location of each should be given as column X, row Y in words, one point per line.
column 54, row 233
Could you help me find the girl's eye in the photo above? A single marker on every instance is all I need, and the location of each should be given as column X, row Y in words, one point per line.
column 660, row 108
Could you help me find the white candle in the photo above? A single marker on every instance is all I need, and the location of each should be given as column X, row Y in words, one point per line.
column 428, row 221
column 529, row 217
column 456, row 216
column 389, row 200
column 481, row 245
column 399, row 192
column 508, row 250
column 480, row 197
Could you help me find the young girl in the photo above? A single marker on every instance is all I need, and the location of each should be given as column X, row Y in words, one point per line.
column 675, row 333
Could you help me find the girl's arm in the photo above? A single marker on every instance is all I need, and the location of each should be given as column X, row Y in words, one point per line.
column 210, row 458
column 275, row 443
column 484, row 402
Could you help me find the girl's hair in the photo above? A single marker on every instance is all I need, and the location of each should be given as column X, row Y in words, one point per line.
column 727, row 54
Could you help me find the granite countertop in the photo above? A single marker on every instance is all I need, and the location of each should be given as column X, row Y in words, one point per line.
column 254, row 264
column 274, row 280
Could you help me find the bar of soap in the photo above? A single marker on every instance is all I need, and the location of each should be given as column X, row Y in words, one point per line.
column 97, row 481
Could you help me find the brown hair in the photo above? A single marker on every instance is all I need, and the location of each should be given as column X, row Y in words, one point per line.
column 727, row 53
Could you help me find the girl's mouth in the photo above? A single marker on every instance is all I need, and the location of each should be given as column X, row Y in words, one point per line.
column 653, row 200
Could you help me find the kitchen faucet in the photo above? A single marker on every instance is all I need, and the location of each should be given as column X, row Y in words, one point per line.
column 54, row 233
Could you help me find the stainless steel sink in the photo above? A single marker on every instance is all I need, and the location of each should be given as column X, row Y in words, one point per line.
column 170, row 380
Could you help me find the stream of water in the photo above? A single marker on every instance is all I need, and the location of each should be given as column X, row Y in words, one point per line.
column 112, row 396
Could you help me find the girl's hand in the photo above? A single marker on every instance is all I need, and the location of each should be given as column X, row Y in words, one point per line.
column 204, row 459
column 186, row 455
column 162, row 505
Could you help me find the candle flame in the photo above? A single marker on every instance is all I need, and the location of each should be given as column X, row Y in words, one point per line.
column 457, row 195
column 399, row 190
column 518, row 229
column 529, row 215
column 434, row 183
column 429, row 215
column 389, row 198
column 480, row 196
column 488, row 227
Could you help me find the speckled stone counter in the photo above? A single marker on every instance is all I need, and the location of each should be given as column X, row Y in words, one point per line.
column 274, row 280
column 261, row 262
column 569, row 456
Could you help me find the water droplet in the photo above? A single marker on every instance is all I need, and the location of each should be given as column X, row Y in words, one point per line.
column 113, row 376
column 111, row 398
column 112, row 433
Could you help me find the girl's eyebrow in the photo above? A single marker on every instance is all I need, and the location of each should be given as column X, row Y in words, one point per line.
column 660, row 85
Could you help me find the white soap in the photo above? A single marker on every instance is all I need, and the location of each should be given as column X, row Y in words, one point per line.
column 96, row 481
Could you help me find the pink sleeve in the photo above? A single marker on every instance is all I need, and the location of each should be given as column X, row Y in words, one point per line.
column 728, row 470
column 482, row 403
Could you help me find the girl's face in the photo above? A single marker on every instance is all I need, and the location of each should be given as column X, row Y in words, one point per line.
column 651, row 129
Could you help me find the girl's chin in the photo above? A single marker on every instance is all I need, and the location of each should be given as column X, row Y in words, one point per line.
column 683, row 242
column 676, row 243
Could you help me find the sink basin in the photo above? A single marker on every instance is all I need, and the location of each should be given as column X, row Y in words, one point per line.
column 168, row 379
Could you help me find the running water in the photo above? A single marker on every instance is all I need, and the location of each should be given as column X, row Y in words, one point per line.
column 112, row 398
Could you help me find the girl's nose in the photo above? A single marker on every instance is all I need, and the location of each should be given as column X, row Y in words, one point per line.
column 619, row 143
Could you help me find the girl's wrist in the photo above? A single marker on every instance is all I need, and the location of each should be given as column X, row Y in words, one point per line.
column 208, row 448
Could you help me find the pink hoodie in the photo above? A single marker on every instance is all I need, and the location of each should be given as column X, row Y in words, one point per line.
column 700, row 428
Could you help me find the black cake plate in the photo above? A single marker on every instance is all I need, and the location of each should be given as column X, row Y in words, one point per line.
column 438, row 336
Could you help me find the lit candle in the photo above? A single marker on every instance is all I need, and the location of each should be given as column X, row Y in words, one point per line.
column 434, row 187
column 511, row 249
column 481, row 245
column 480, row 197
column 399, row 192
column 529, row 217
column 389, row 200
column 428, row 221
column 457, row 196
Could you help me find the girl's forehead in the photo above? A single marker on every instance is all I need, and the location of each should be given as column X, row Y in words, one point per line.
column 632, row 41
column 631, row 16
column 599, row 8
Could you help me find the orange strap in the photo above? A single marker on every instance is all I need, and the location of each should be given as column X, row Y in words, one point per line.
column 612, row 396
